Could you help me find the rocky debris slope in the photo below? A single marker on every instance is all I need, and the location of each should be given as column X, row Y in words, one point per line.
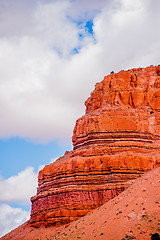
column 116, row 141
column 133, row 214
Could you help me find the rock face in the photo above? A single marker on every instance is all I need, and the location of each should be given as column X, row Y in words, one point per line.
column 117, row 140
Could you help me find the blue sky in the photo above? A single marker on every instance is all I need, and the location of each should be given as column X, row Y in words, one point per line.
column 17, row 154
column 52, row 52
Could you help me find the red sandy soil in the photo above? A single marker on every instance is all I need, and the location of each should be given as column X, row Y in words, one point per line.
column 134, row 214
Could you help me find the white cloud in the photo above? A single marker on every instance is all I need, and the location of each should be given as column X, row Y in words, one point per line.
column 11, row 218
column 86, row 10
column 16, row 190
column 19, row 188
column 44, row 86
column 54, row 28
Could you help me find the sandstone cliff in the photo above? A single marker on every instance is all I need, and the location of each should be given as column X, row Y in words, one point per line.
column 117, row 140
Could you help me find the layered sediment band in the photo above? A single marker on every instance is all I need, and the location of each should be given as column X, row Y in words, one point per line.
column 137, row 139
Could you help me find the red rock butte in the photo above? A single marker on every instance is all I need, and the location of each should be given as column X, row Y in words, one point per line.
column 116, row 141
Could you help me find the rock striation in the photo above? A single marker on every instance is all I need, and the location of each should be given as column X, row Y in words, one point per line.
column 116, row 141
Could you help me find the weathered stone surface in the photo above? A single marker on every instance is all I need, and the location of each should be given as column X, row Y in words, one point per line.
column 116, row 141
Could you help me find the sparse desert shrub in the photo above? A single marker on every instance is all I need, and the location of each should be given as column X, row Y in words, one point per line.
column 155, row 236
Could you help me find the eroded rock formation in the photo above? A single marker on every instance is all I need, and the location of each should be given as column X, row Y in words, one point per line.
column 117, row 140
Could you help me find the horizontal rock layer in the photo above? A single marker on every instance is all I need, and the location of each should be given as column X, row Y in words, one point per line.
column 115, row 142
column 119, row 139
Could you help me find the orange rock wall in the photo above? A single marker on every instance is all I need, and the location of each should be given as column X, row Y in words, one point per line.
column 126, row 101
column 116, row 141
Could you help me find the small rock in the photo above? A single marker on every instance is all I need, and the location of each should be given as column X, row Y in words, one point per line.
column 131, row 215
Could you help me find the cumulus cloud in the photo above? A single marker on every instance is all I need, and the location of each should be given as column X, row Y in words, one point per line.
column 43, row 82
column 11, row 218
column 19, row 188
column 16, row 190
